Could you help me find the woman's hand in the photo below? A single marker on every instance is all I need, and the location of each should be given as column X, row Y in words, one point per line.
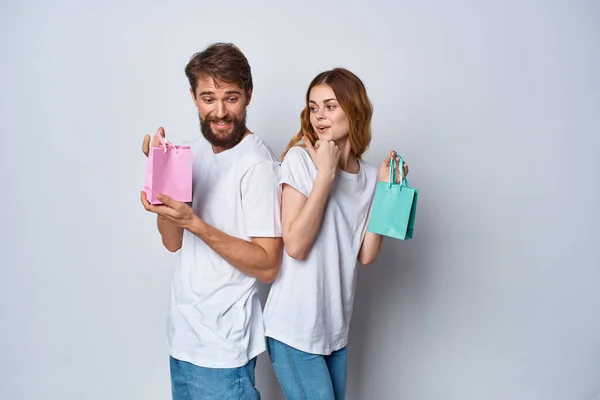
column 384, row 169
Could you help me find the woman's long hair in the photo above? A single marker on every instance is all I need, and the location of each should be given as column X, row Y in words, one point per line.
column 350, row 92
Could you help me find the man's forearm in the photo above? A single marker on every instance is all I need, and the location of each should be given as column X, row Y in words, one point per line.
column 246, row 256
column 172, row 235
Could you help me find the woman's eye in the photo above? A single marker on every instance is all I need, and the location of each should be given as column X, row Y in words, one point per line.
column 331, row 108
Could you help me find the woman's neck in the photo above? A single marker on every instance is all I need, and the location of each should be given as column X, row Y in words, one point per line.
column 348, row 162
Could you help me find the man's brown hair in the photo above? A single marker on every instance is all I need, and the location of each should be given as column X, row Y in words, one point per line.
column 220, row 61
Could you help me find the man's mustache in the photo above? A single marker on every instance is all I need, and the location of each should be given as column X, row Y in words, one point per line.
column 217, row 120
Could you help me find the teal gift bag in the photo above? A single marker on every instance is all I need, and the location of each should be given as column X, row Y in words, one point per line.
column 394, row 206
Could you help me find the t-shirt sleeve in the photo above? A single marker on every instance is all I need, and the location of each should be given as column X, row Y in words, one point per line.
column 261, row 199
column 296, row 170
column 371, row 183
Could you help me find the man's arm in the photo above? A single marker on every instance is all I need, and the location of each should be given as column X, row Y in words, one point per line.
column 260, row 258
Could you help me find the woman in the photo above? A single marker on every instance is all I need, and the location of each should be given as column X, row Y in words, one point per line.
column 327, row 190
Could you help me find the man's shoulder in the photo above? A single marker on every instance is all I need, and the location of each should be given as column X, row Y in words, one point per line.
column 253, row 149
column 193, row 143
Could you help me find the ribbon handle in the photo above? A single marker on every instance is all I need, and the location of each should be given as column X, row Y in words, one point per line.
column 165, row 143
column 393, row 171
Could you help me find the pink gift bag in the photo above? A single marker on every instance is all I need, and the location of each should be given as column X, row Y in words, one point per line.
column 169, row 172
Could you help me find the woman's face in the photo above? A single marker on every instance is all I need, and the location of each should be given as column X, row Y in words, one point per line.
column 326, row 116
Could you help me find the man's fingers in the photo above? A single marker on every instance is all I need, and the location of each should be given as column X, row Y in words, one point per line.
column 168, row 201
column 154, row 141
column 161, row 132
column 160, row 209
column 144, row 200
column 146, row 145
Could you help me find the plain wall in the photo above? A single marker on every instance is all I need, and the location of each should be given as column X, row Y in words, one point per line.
column 495, row 106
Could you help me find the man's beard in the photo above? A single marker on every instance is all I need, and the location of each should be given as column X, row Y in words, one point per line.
column 228, row 141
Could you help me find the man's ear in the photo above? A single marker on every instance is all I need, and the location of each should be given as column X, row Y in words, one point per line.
column 248, row 97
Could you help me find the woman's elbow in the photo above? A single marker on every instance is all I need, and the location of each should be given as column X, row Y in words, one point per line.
column 367, row 259
column 296, row 253
column 294, row 249
column 172, row 246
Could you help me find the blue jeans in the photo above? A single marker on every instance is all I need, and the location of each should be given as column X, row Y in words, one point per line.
column 306, row 376
column 191, row 382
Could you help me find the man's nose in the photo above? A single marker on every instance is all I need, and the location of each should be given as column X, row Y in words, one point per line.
column 221, row 111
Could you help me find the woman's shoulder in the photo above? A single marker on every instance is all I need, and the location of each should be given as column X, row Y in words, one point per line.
column 370, row 170
column 297, row 152
column 297, row 155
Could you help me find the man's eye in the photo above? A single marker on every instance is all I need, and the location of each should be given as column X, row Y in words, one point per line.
column 233, row 99
column 207, row 100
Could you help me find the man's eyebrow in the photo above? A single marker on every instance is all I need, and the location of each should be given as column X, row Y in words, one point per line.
column 210, row 93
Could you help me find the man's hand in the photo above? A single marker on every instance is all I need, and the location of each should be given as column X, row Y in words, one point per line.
column 174, row 211
column 156, row 141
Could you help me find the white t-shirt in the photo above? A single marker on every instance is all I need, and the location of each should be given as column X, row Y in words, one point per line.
column 310, row 303
column 215, row 319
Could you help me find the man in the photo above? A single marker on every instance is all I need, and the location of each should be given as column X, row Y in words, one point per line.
column 229, row 237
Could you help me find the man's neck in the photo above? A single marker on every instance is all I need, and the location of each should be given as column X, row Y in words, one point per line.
column 217, row 149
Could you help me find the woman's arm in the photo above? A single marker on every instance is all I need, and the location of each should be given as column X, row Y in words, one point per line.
column 301, row 216
column 371, row 245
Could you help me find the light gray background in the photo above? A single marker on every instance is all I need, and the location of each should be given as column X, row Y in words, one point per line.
column 494, row 104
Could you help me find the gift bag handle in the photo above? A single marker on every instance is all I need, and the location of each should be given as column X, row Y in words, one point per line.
column 165, row 143
column 392, row 178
